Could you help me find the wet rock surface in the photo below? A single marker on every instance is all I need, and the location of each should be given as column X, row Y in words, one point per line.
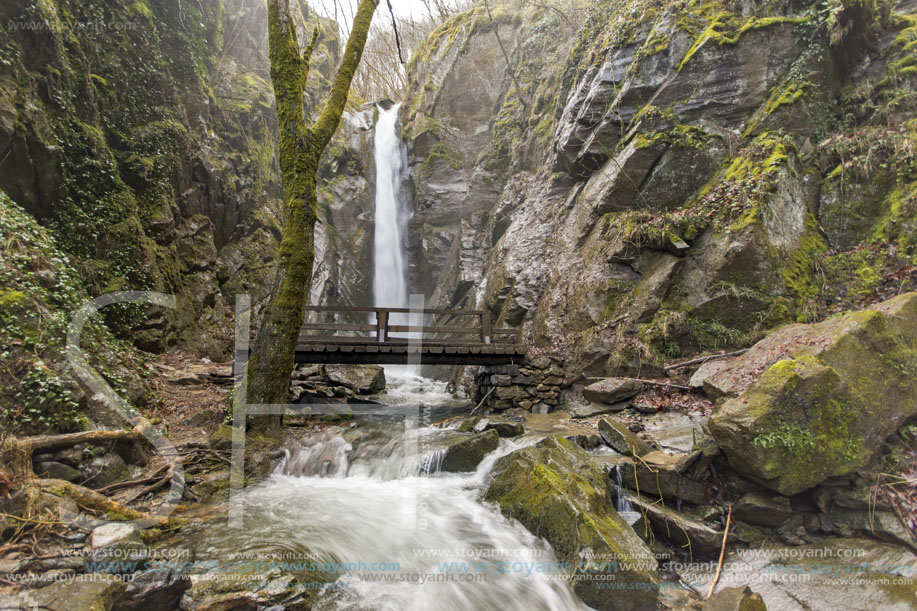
column 556, row 491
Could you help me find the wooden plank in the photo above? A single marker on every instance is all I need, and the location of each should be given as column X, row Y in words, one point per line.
column 435, row 311
column 337, row 327
column 394, row 341
column 409, row 329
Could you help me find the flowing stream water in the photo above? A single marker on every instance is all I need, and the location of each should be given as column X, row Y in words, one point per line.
column 371, row 498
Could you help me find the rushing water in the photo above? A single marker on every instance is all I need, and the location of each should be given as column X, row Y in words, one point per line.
column 370, row 497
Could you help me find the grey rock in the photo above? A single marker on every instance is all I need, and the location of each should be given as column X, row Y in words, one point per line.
column 735, row 599
column 612, row 390
column 104, row 470
column 597, row 409
column 808, row 387
column 114, row 533
column 762, row 508
column 619, row 437
column 362, row 379
column 56, row 470
column 556, row 491
column 466, row 452
column 153, row 590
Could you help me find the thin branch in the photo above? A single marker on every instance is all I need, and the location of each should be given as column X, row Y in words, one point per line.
column 719, row 565
column 391, row 12
column 704, row 359
column 307, row 55
column 135, row 482
column 330, row 117
column 478, row 406
column 509, row 65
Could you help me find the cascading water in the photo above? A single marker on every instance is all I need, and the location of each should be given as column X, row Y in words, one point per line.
column 400, row 535
column 624, row 508
column 372, row 499
column 390, row 288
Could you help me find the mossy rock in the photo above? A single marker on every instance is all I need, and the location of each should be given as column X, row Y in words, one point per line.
column 557, row 492
column 466, row 454
column 847, row 385
column 101, row 594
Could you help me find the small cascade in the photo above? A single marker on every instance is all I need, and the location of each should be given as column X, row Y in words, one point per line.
column 432, row 462
column 624, row 508
column 317, row 457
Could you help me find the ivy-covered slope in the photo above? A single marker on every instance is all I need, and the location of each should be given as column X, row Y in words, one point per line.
column 39, row 292
column 707, row 171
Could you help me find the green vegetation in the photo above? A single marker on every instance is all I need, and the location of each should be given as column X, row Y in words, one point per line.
column 39, row 294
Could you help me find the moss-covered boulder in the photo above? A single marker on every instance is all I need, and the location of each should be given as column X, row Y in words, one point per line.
column 819, row 400
column 465, row 452
column 556, row 491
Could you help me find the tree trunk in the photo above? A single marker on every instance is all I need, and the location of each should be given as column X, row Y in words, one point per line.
column 271, row 363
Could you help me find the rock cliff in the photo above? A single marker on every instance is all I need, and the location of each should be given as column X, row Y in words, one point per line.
column 673, row 177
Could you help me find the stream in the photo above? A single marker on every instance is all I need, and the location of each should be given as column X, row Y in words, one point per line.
column 393, row 523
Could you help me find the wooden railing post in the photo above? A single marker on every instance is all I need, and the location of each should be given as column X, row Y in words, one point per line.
column 382, row 325
column 486, row 327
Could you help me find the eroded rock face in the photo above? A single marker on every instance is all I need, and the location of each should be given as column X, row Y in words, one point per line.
column 557, row 492
column 816, row 401
column 662, row 191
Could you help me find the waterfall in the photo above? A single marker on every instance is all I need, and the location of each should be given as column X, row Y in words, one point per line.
column 390, row 289
column 624, row 508
column 390, row 271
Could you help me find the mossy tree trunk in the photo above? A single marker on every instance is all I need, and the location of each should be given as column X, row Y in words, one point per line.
column 301, row 146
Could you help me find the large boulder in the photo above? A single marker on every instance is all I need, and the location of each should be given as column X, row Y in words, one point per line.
column 612, row 390
column 556, row 491
column 817, row 401
column 362, row 379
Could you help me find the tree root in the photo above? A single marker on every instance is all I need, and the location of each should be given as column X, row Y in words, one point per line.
column 16, row 454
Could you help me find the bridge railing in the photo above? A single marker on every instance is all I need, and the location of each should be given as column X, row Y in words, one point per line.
column 479, row 331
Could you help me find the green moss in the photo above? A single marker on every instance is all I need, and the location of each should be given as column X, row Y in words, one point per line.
column 799, row 271
column 726, row 28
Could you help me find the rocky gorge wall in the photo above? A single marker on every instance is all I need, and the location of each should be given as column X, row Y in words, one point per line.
column 673, row 176
column 138, row 152
column 144, row 135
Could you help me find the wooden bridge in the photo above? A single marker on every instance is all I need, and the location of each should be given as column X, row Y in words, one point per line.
column 384, row 343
